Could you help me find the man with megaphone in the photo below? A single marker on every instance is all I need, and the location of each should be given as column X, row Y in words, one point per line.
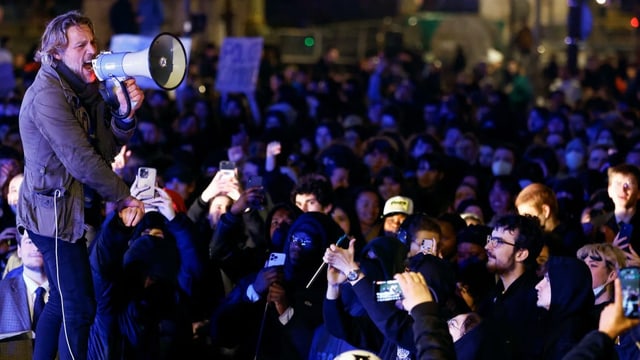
column 70, row 136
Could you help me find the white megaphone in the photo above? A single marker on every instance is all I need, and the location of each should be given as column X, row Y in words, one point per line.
column 164, row 61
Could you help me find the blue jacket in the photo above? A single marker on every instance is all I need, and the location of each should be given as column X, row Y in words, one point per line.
column 14, row 307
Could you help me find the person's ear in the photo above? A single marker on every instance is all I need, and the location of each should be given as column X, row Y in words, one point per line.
column 546, row 211
column 522, row 255
column 612, row 276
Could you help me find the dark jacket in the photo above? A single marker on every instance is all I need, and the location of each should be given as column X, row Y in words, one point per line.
column 513, row 320
column 228, row 247
column 568, row 318
column 69, row 140
column 14, row 307
column 150, row 322
column 397, row 325
column 346, row 318
column 595, row 345
column 431, row 333
column 243, row 324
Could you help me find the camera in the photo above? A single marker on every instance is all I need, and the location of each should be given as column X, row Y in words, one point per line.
column 388, row 290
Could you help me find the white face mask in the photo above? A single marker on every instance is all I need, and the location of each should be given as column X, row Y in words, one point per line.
column 501, row 167
column 574, row 159
column 597, row 291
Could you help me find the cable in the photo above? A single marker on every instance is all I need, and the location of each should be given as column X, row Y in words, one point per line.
column 57, row 194
column 264, row 318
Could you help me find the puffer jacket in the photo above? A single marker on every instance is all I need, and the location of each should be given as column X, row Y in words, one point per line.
column 65, row 148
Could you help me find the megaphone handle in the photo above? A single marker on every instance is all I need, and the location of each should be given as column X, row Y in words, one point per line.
column 111, row 97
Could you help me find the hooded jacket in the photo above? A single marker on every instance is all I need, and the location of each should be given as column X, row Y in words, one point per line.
column 572, row 300
column 241, row 322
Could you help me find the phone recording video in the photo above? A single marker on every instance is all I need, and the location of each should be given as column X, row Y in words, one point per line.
column 147, row 181
column 275, row 259
column 388, row 290
column 253, row 182
column 227, row 168
column 630, row 281
column 428, row 246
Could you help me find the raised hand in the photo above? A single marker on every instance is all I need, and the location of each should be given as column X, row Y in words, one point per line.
column 414, row 289
column 278, row 296
column 341, row 259
column 612, row 319
column 265, row 278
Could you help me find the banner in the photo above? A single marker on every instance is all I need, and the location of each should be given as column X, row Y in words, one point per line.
column 239, row 64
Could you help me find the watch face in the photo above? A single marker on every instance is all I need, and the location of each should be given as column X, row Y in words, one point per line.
column 353, row 275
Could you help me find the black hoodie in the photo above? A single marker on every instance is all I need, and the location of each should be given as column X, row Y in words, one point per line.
column 572, row 301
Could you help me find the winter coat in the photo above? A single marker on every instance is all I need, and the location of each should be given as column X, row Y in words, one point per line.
column 69, row 140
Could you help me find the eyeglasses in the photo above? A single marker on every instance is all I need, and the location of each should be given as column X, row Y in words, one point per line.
column 496, row 241
column 301, row 239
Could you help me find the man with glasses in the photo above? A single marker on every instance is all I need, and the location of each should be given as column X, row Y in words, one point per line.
column 512, row 315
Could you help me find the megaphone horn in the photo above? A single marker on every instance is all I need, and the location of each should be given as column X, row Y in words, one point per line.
column 164, row 61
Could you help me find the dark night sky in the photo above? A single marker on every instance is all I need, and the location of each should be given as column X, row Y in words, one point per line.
column 301, row 13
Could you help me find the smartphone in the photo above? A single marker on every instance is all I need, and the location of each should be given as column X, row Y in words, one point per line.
column 147, row 179
column 275, row 259
column 388, row 290
column 228, row 168
column 625, row 233
column 630, row 281
column 254, row 181
column 343, row 241
column 428, row 246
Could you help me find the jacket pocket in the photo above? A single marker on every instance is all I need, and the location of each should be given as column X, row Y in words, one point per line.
column 52, row 212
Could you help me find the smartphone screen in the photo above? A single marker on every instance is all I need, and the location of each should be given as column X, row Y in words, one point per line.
column 388, row 290
column 254, row 181
column 630, row 281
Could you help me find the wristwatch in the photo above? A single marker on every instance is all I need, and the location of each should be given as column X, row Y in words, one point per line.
column 353, row 275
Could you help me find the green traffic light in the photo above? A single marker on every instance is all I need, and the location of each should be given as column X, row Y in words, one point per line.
column 309, row 41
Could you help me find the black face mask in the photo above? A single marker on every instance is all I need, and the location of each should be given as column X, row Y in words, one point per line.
column 279, row 238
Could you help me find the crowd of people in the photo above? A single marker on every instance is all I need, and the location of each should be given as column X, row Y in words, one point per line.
column 504, row 214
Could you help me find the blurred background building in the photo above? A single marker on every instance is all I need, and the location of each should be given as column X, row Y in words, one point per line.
column 303, row 29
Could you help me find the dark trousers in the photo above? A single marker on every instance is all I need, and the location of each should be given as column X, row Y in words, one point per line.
column 71, row 290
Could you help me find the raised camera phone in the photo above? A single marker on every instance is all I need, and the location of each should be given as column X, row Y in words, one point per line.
column 227, row 168
column 147, row 181
column 254, row 181
column 625, row 233
column 275, row 259
column 388, row 290
column 428, row 246
column 630, row 281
